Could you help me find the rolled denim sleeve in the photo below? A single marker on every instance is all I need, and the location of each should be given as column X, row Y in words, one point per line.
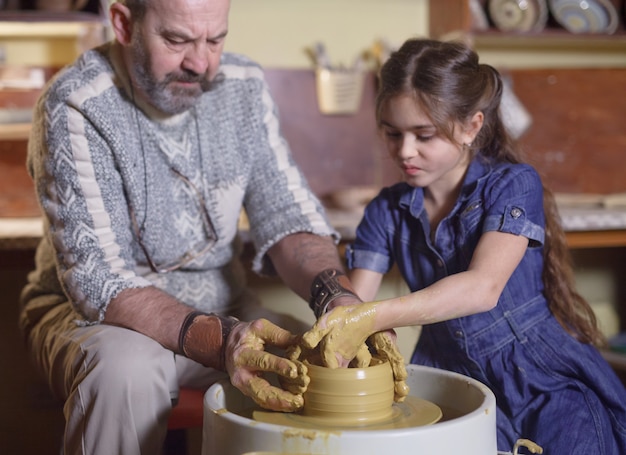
column 371, row 249
column 516, row 205
column 370, row 260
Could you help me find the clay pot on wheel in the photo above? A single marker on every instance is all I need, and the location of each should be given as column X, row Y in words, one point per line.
column 349, row 396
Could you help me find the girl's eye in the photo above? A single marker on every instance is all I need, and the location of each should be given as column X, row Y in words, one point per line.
column 392, row 134
column 425, row 137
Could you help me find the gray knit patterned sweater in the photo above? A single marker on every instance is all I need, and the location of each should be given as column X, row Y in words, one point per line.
column 95, row 158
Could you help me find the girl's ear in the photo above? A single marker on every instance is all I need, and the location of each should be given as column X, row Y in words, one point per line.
column 121, row 22
column 473, row 127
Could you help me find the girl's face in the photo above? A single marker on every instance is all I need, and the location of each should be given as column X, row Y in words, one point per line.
column 424, row 157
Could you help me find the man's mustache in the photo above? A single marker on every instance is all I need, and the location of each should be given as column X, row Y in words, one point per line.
column 202, row 79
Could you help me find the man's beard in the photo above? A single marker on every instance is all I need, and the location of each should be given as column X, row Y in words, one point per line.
column 166, row 98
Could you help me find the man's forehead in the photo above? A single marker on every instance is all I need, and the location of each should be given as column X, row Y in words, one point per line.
column 182, row 6
column 190, row 15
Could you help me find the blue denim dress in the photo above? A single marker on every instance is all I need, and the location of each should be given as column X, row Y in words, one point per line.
column 549, row 387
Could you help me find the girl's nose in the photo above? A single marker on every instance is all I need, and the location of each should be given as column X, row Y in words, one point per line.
column 407, row 148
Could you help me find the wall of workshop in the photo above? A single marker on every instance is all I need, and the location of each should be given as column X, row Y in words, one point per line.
column 276, row 33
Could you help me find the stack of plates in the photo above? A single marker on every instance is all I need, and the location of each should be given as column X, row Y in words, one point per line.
column 519, row 15
column 576, row 16
column 586, row 16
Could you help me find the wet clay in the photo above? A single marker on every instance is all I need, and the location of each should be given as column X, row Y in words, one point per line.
column 349, row 395
column 344, row 331
column 355, row 399
column 412, row 412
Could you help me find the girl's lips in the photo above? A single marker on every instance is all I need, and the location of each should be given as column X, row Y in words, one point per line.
column 410, row 170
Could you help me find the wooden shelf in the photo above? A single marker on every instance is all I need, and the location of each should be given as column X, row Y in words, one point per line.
column 596, row 239
column 41, row 24
column 28, row 229
column 556, row 40
column 14, row 131
column 50, row 30
column 452, row 19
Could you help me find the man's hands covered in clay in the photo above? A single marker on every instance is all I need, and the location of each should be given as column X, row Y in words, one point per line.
column 247, row 360
column 341, row 334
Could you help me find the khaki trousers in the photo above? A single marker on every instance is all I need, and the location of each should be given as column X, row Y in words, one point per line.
column 118, row 385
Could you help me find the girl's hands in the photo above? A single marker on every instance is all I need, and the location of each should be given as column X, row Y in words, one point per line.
column 340, row 336
column 384, row 343
column 341, row 333
column 247, row 361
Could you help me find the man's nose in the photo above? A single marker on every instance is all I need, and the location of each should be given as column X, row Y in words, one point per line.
column 197, row 59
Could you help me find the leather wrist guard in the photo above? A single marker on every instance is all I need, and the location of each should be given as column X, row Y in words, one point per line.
column 327, row 287
column 203, row 338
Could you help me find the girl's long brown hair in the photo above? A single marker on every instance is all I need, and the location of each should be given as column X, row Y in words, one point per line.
column 448, row 82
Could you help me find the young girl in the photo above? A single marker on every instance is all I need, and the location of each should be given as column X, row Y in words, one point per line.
column 477, row 239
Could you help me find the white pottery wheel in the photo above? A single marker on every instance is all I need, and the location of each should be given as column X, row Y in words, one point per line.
column 473, row 432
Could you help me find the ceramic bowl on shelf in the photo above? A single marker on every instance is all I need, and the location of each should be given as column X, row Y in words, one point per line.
column 518, row 15
column 585, row 16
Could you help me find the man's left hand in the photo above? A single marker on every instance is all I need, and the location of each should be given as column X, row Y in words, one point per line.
column 247, row 361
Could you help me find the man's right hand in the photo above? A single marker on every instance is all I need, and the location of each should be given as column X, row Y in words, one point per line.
column 247, row 361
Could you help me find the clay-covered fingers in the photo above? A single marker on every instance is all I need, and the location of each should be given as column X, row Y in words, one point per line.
column 300, row 352
column 298, row 384
column 254, row 385
column 263, row 361
column 384, row 343
column 341, row 333
column 270, row 397
column 247, row 361
column 313, row 336
column 363, row 357
column 313, row 342
column 246, row 348
column 271, row 334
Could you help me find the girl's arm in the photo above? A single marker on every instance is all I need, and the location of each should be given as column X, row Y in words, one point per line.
column 474, row 291
column 345, row 328
column 366, row 283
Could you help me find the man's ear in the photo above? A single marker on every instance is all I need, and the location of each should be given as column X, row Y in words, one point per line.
column 121, row 23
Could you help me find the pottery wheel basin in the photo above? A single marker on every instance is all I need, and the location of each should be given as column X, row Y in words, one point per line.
column 468, row 425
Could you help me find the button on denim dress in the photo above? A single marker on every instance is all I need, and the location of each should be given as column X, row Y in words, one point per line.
column 549, row 387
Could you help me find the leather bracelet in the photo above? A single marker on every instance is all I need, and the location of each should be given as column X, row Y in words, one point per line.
column 203, row 338
column 326, row 287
